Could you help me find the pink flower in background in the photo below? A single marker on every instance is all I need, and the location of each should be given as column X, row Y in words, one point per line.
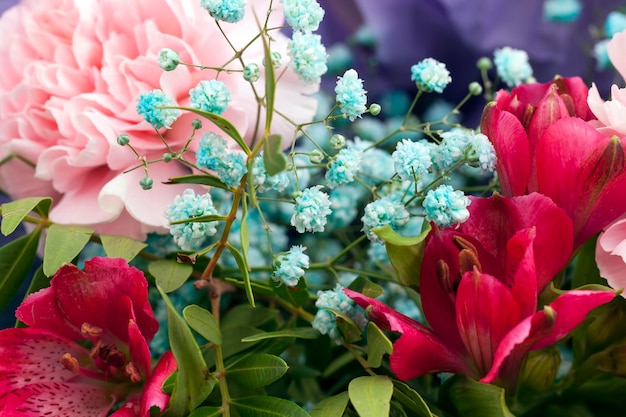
column 71, row 75
column 611, row 254
column 43, row 369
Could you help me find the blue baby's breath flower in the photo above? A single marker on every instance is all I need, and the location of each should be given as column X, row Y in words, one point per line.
column 147, row 107
column 304, row 15
column 230, row 11
column 344, row 202
column 601, row 54
column 351, row 96
column 430, row 75
column 311, row 209
column 411, row 160
column 263, row 181
column 191, row 236
column 231, row 169
column 211, row 148
column 382, row 212
column 210, row 96
column 452, row 147
column 446, row 206
column 289, row 266
column 343, row 167
column 512, row 65
column 480, row 152
column 325, row 321
column 615, row 23
column 168, row 59
column 308, row 56
column 562, row 10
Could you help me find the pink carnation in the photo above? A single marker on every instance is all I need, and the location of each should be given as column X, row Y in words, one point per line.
column 71, row 74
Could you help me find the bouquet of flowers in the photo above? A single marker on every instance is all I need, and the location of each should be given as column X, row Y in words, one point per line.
column 229, row 226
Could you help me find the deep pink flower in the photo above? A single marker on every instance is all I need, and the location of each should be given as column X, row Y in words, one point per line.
column 479, row 288
column 43, row 368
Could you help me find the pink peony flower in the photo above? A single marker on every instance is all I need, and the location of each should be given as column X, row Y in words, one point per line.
column 71, row 75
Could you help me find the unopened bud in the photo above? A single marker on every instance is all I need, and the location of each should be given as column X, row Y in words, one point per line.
column 146, row 183
column 337, row 141
column 484, row 64
column 196, row 124
column 123, row 139
column 540, row 369
column 316, row 156
column 475, row 89
column 251, row 73
column 375, row 109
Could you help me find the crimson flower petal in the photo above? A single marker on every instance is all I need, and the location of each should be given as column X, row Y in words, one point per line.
column 153, row 395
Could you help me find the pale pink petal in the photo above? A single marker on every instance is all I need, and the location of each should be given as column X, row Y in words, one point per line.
column 615, row 49
column 611, row 255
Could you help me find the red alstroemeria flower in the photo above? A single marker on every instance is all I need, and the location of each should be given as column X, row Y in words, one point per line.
column 546, row 145
column 479, row 287
column 43, row 368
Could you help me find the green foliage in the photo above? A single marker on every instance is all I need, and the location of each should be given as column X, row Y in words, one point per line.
column 377, row 345
column 332, row 406
column 223, row 124
column 471, row 398
column 14, row 212
column 243, row 268
column 371, row 395
column 121, row 247
column 273, row 157
column 298, row 333
column 203, row 322
column 169, row 274
column 63, row 244
column 297, row 295
column 204, row 179
column 16, row 259
column 256, row 371
column 266, row 406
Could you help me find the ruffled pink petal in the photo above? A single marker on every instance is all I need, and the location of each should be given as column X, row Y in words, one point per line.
column 153, row 395
column 611, row 255
column 615, row 49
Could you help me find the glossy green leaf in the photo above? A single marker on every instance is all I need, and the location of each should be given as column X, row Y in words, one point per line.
column 194, row 381
column 471, row 398
column 405, row 253
column 14, row 212
column 201, row 219
column 207, row 412
column 202, row 179
column 347, row 327
column 223, row 124
column 121, row 246
column 411, row 401
column 257, row 371
column 270, row 80
column 243, row 268
column 585, row 267
column 63, row 244
column 371, row 395
column 366, row 287
column 378, row 344
column 297, row 295
column 16, row 259
column 298, row 333
column 332, row 406
column 248, row 315
column 203, row 322
column 266, row 406
column 273, row 157
column 169, row 274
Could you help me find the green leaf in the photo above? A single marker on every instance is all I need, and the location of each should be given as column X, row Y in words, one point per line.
column 377, row 345
column 474, row 399
column 243, row 268
column 194, row 381
column 270, row 79
column 203, row 322
column 257, row 371
column 347, row 327
column 411, row 401
column 585, row 267
column 207, row 412
column 63, row 244
column 332, row 406
column 266, row 406
column 202, row 179
column 14, row 212
column 169, row 274
column 273, row 157
column 366, row 287
column 297, row 295
column 224, row 125
column 371, row 395
column 250, row 316
column 16, row 259
column 405, row 253
column 201, row 219
column 298, row 333
column 121, row 246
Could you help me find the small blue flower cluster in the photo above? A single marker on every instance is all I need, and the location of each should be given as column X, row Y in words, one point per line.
column 562, row 10
column 512, row 66
column 311, row 209
column 289, row 266
column 344, row 202
column 263, row 181
column 446, row 206
column 336, row 300
column 191, row 236
column 411, row 160
column 382, row 212
column 230, row 11
column 462, row 143
column 148, row 105
column 351, row 96
column 615, row 23
column 343, row 167
column 213, row 154
column 308, row 56
column 480, row 152
column 430, row 75
column 304, row 15
column 210, row 96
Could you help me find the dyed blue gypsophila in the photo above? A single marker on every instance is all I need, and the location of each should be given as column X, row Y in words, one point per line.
column 263, row 181
column 230, row 11
column 311, row 209
column 512, row 65
column 210, row 96
column 308, row 56
column 377, row 253
column 344, row 206
column 351, row 96
column 325, row 321
column 615, row 23
column 411, row 160
column 452, row 148
column 382, row 212
column 480, row 152
column 430, row 75
column 147, row 107
column 289, row 266
column 168, row 59
column 601, row 54
column 211, row 149
column 231, row 169
column 191, row 236
column 340, row 58
column 376, row 166
column 304, row 15
column 446, row 206
column 343, row 167
column 562, row 10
